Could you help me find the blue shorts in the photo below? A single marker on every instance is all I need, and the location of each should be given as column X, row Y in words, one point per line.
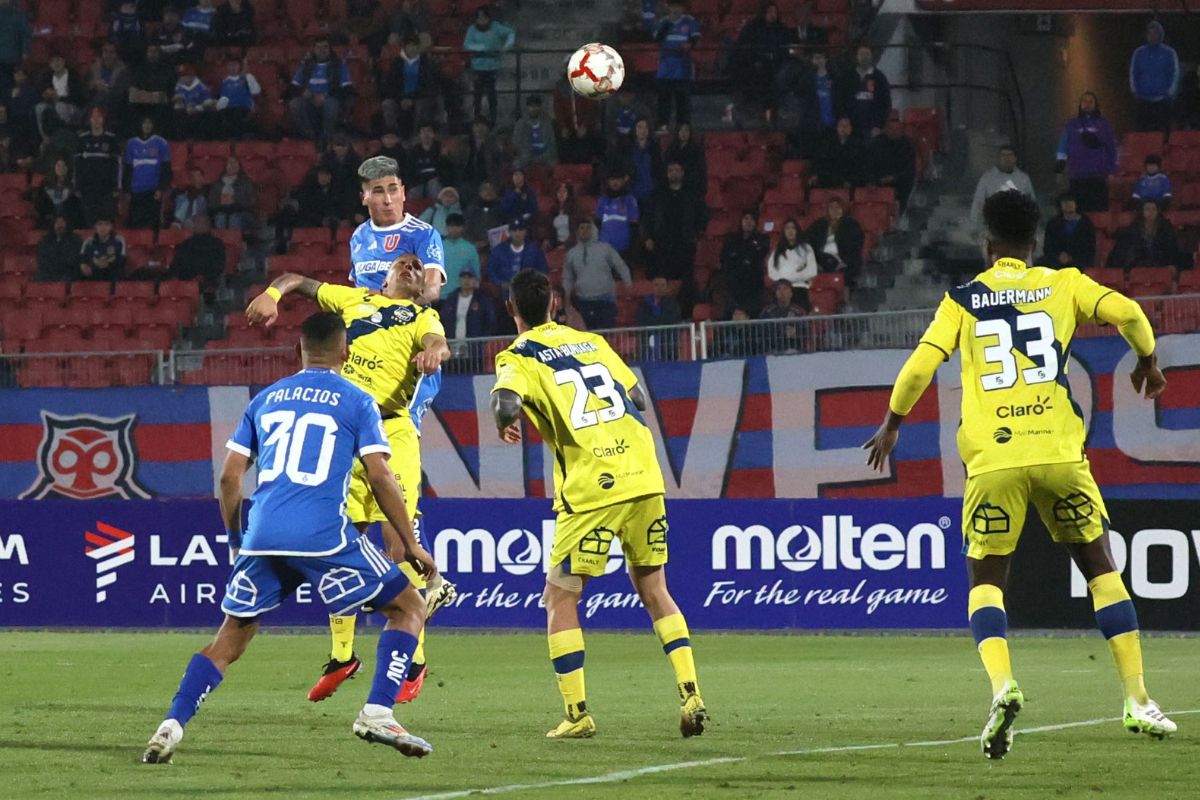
column 346, row 581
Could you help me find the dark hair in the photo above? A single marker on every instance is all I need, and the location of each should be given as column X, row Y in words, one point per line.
column 783, row 246
column 1011, row 218
column 1065, row 196
column 455, row 219
column 533, row 100
column 1153, row 158
column 530, row 292
column 322, row 331
column 1009, row 148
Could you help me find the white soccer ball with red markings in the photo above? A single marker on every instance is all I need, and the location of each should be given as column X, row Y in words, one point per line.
column 596, row 70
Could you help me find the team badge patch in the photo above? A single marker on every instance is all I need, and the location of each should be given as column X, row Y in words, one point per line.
column 989, row 519
column 86, row 458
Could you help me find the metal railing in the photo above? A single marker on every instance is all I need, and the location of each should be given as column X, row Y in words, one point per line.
column 683, row 342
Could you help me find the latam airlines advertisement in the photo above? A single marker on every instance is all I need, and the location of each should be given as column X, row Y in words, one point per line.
column 764, row 427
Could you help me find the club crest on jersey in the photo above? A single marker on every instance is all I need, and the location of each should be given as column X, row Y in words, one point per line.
column 403, row 315
column 86, row 458
column 391, row 242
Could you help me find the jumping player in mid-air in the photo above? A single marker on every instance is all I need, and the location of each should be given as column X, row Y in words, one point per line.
column 396, row 346
column 388, row 233
column 1013, row 325
column 581, row 397
column 306, row 432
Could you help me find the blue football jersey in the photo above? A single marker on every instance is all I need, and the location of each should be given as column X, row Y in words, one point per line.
column 427, row 389
column 305, row 433
column 374, row 248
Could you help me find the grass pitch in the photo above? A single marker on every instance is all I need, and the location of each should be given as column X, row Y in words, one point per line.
column 77, row 708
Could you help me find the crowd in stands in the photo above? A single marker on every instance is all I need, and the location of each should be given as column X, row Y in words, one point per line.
column 156, row 140
column 1118, row 215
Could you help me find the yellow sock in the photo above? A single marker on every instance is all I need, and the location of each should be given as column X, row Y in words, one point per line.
column 672, row 631
column 566, row 654
column 342, row 629
column 418, row 658
column 989, row 626
column 1117, row 620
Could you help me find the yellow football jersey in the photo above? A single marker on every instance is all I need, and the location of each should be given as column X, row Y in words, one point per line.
column 384, row 336
column 575, row 390
column 1014, row 325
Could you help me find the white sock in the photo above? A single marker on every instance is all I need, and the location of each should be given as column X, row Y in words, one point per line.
column 376, row 710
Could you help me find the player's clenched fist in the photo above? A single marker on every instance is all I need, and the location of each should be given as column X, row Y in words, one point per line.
column 427, row 361
column 263, row 310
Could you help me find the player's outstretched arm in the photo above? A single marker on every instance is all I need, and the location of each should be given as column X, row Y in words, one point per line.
column 435, row 352
column 911, row 383
column 390, row 497
column 264, row 309
column 506, row 410
column 231, row 497
column 1128, row 318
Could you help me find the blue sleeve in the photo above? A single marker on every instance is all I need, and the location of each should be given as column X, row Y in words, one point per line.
column 1062, row 146
column 245, row 438
column 433, row 253
column 1167, row 187
column 164, row 151
column 1174, row 90
column 634, row 212
column 695, row 34
column 1139, row 188
column 1133, row 72
column 299, row 74
column 345, row 74
column 471, row 40
column 370, row 436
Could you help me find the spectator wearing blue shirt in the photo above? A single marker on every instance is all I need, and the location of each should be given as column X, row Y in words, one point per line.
column 199, row 19
column 676, row 34
column 321, row 87
column 617, row 212
column 236, row 97
column 646, row 162
column 519, row 200
column 1154, row 80
column 1153, row 184
column 194, row 104
column 515, row 254
column 409, row 90
column 147, row 174
column 488, row 40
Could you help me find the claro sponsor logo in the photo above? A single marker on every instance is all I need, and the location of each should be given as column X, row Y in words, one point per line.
column 516, row 551
column 1159, row 562
column 839, row 544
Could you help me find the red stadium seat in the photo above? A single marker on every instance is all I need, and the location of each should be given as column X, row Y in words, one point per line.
column 152, row 337
column 51, row 293
column 824, row 301
column 20, row 263
column 1189, row 282
column 1112, row 277
column 22, row 325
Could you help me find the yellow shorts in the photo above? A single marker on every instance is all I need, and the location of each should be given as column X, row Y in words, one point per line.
column 405, row 462
column 1065, row 495
column 582, row 539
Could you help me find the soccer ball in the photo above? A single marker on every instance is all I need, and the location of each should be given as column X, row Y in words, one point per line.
column 595, row 70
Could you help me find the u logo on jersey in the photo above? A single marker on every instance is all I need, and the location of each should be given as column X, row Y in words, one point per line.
column 391, row 242
column 86, row 458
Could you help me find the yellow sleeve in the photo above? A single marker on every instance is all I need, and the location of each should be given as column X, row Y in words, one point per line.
column 332, row 297
column 510, row 374
column 617, row 366
column 943, row 332
column 915, row 376
column 1087, row 294
column 428, row 321
column 1127, row 317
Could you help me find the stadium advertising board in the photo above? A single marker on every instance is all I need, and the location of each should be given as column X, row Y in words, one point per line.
column 1155, row 544
column 750, row 564
column 763, row 427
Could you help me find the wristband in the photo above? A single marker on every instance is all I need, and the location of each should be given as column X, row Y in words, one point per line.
column 273, row 293
column 235, row 539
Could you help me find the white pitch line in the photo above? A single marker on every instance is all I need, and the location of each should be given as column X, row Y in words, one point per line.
column 624, row 775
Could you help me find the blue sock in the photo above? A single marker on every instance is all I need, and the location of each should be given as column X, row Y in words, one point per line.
column 200, row 678
column 392, row 658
